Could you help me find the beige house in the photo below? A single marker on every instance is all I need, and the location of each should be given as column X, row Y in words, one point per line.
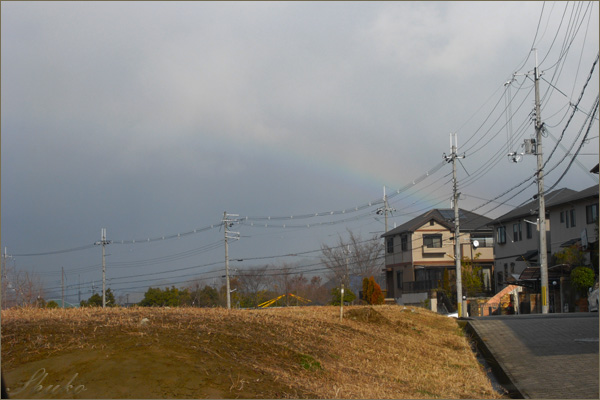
column 419, row 251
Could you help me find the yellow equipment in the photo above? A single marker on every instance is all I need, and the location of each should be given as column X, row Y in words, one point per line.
column 273, row 301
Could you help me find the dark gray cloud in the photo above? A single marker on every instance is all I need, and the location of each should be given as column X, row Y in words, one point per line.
column 154, row 118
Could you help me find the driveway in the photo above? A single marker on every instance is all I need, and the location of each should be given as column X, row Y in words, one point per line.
column 551, row 356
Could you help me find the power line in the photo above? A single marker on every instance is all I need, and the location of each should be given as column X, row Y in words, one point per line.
column 575, row 107
column 591, row 120
column 49, row 253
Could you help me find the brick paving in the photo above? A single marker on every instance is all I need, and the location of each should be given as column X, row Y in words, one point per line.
column 551, row 356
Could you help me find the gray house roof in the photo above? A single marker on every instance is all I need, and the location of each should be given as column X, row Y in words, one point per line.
column 591, row 192
column 553, row 199
column 469, row 221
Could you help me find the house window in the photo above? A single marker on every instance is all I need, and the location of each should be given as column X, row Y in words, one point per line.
column 591, row 213
column 390, row 245
column 434, row 241
column 529, row 229
column 517, row 232
column 484, row 239
column 501, row 235
column 570, row 218
column 431, row 223
column 399, row 279
column 572, row 215
column 500, row 278
column 404, row 242
column 562, row 217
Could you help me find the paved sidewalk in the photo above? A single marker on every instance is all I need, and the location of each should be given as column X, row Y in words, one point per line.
column 551, row 356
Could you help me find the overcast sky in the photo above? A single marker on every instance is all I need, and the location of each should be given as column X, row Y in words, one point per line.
column 151, row 119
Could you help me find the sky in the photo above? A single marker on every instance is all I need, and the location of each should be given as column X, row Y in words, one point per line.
column 152, row 119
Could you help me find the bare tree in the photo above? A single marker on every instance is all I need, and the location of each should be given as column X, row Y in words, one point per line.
column 287, row 281
column 20, row 288
column 252, row 281
column 283, row 279
column 353, row 256
column 315, row 291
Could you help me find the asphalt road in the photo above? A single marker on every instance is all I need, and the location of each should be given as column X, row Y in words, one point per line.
column 550, row 356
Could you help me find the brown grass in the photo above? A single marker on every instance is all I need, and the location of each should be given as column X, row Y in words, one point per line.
column 295, row 352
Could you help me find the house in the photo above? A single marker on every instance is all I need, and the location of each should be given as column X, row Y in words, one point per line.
column 574, row 220
column 419, row 251
column 517, row 238
column 570, row 220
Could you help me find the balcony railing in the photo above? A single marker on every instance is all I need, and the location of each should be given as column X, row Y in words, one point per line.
column 426, row 286
column 420, row 286
column 436, row 250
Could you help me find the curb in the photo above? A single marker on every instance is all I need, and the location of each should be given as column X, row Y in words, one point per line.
column 501, row 375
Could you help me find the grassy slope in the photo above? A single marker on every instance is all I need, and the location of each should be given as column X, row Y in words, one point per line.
column 305, row 352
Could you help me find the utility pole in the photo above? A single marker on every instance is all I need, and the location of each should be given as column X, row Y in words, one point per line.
column 385, row 209
column 79, row 289
column 457, row 256
column 103, row 242
column 62, row 282
column 227, row 223
column 540, row 182
column 534, row 146
column 5, row 257
column 5, row 279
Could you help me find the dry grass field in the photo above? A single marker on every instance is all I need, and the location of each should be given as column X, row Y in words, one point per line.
column 297, row 352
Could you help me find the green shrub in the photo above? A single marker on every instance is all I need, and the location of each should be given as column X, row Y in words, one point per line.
column 583, row 278
column 349, row 296
column 51, row 304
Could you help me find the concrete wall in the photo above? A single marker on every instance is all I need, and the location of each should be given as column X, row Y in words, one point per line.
column 412, row 298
